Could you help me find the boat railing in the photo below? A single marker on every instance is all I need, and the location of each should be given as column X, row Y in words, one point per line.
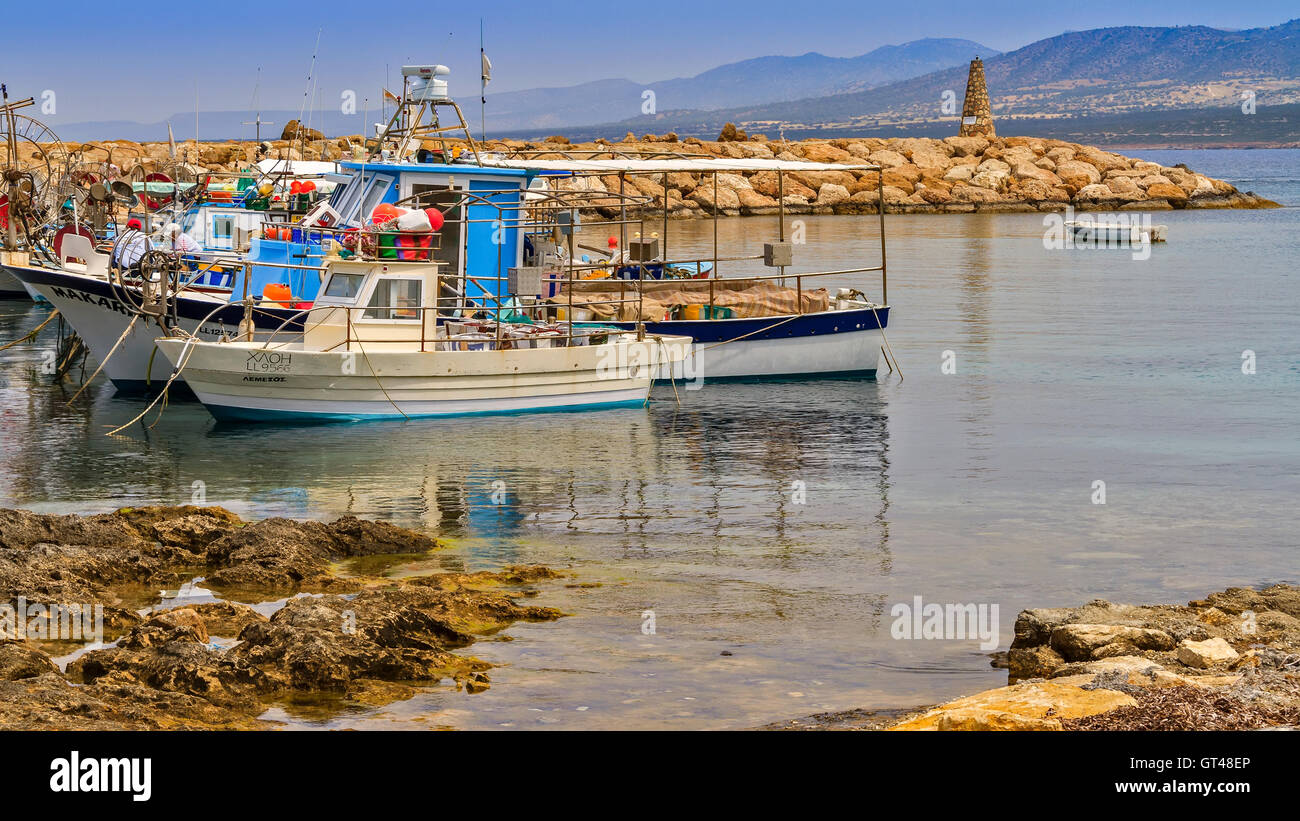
column 554, row 217
column 490, row 310
column 563, row 212
column 558, row 215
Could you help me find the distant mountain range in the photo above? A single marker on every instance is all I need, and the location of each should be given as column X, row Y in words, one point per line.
column 1102, row 76
column 746, row 83
column 1086, row 73
column 749, row 82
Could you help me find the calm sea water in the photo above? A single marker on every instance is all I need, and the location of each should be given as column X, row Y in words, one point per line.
column 1072, row 367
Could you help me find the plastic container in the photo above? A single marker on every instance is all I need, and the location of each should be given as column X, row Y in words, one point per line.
column 579, row 314
column 473, row 342
column 695, row 312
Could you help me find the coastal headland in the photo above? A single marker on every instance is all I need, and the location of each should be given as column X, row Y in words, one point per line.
column 920, row 175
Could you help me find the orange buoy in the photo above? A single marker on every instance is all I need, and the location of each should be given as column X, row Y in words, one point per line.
column 384, row 212
column 276, row 295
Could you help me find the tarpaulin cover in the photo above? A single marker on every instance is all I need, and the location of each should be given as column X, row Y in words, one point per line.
column 746, row 297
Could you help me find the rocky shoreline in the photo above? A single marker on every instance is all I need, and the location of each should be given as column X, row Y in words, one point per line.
column 301, row 616
column 920, row 175
column 333, row 638
column 1230, row 661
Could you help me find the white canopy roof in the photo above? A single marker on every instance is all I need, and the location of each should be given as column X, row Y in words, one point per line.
column 669, row 164
column 297, row 168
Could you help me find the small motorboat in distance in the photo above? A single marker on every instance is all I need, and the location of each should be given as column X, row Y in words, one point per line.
column 1116, row 233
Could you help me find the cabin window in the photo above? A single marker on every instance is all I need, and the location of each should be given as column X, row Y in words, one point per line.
column 344, row 286
column 223, row 230
column 395, row 299
column 374, row 195
column 339, row 194
column 360, row 197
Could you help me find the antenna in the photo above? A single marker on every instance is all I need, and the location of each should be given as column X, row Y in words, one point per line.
column 306, row 92
column 485, row 73
column 257, row 121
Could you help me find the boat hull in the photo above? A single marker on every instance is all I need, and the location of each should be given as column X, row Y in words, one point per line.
column 829, row 343
column 94, row 310
column 11, row 287
column 242, row 382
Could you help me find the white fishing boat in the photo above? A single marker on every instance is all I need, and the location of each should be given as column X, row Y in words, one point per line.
column 380, row 344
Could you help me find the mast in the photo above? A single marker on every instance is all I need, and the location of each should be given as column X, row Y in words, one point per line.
column 485, row 74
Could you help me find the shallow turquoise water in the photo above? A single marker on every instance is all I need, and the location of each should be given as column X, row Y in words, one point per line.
column 1072, row 366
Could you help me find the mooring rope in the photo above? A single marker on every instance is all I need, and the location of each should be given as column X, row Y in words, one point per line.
column 31, row 335
column 181, row 362
column 104, row 362
column 751, row 333
column 379, row 382
column 885, row 337
column 672, row 377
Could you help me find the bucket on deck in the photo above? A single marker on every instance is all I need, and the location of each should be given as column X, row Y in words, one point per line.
column 705, row 312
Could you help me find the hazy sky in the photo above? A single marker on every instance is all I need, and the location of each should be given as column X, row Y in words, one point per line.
column 142, row 62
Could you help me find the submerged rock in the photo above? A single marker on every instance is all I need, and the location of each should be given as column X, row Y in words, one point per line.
column 164, row 668
column 18, row 661
column 82, row 558
column 51, row 702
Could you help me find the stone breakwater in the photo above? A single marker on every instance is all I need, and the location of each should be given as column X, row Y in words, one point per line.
column 1229, row 661
column 356, row 640
column 920, row 175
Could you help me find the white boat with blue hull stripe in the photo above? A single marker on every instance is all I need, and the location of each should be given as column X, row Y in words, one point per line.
column 312, row 385
column 372, row 348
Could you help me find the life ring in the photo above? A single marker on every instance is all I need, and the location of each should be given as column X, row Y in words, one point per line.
column 150, row 202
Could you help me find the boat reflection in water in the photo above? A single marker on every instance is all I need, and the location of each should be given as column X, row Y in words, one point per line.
column 733, row 461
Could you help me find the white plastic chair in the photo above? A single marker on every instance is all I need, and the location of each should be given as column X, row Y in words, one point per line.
column 75, row 246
